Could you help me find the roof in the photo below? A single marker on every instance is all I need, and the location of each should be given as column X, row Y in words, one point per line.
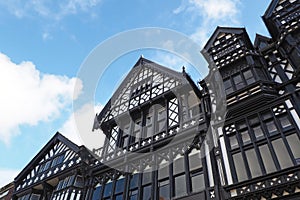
column 35, row 161
column 142, row 63
column 233, row 30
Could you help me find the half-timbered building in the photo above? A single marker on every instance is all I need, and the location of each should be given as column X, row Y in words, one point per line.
column 166, row 137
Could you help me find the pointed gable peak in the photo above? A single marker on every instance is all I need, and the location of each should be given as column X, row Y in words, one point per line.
column 145, row 81
column 261, row 41
column 49, row 161
column 222, row 32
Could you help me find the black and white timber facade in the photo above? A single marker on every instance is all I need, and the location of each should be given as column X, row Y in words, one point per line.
column 253, row 153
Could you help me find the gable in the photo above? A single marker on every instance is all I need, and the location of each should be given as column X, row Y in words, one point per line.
column 227, row 45
column 58, row 155
column 145, row 81
column 261, row 42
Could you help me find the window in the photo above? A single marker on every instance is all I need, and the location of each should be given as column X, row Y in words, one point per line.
column 253, row 163
column 282, row 154
column 137, row 131
column 193, row 104
column 147, row 185
column 267, row 158
column 233, row 142
column 125, row 136
column 180, row 186
column 113, row 139
column 239, row 167
column 248, row 77
column 178, row 164
column 197, row 182
column 79, row 181
column 96, row 193
column 107, row 189
column 245, row 137
column 258, row 132
column 147, row 192
column 149, row 125
column 179, row 175
column 164, row 190
column 163, row 171
column 284, row 122
column 238, row 81
column 195, row 160
column 133, row 195
column 35, row 196
column 120, row 185
column 271, row 127
column 161, row 119
column 228, row 86
column 134, row 181
column 294, row 143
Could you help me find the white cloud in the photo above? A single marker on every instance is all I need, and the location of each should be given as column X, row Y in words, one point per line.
column 7, row 176
column 29, row 96
column 211, row 13
column 215, row 9
column 48, row 8
column 78, row 128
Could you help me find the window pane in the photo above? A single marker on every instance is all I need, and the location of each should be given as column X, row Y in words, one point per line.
column 245, row 137
column 164, row 190
column 239, row 167
column 161, row 119
column 120, row 186
column 137, row 130
column 258, row 132
column 238, row 81
column 107, row 189
column 271, row 127
column 195, row 159
column 147, row 177
column 178, row 164
column 119, row 197
column 134, row 181
column 147, row 192
column 198, row 182
column 149, row 126
column 180, row 186
column 163, row 171
column 294, row 144
column 267, row 158
column 227, row 86
column 133, row 195
column 253, row 163
column 96, row 193
column 284, row 122
column 282, row 154
column 233, row 142
column 249, row 77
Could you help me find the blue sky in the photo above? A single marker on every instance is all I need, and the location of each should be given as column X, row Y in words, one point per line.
column 43, row 44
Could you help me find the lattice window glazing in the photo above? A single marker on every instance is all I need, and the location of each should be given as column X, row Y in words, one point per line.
column 173, row 112
column 113, row 139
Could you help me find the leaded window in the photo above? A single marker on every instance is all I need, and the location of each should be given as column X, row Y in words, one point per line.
column 238, row 81
column 263, row 143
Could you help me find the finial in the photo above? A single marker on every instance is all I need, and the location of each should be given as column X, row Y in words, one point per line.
column 183, row 69
column 142, row 56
